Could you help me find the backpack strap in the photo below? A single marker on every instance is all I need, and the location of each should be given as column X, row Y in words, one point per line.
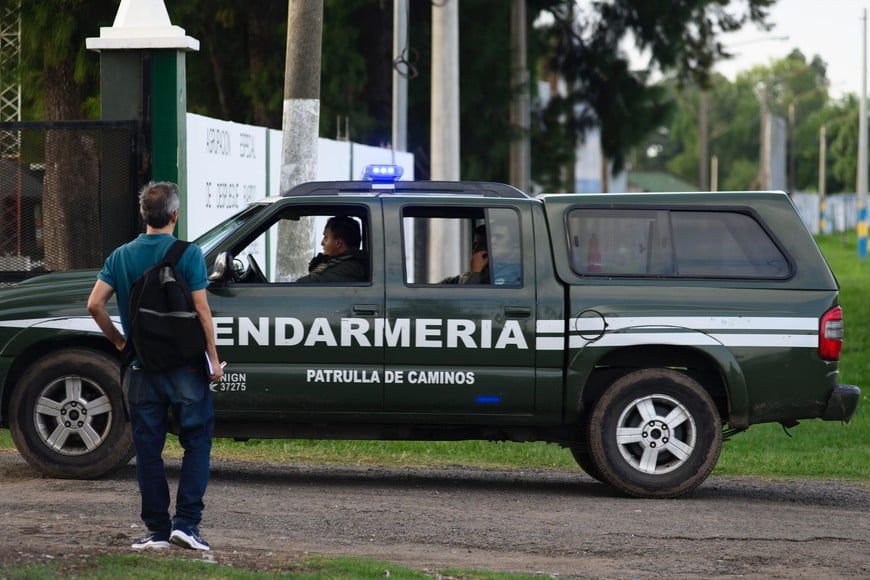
column 175, row 251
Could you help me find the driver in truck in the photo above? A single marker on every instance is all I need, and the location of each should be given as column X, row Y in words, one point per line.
column 341, row 259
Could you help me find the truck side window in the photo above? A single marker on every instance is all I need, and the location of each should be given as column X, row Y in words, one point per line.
column 461, row 246
column 289, row 247
column 505, row 254
column 725, row 244
column 679, row 243
column 620, row 242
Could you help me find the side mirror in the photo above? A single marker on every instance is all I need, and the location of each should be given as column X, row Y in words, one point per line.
column 219, row 270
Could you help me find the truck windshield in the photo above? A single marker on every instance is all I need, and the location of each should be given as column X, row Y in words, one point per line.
column 212, row 237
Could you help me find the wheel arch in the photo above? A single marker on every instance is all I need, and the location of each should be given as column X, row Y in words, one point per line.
column 656, row 433
column 715, row 368
column 81, row 430
column 31, row 351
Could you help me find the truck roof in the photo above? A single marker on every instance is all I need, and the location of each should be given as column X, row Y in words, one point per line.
column 374, row 188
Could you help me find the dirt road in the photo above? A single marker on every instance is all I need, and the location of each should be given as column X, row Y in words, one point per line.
column 556, row 522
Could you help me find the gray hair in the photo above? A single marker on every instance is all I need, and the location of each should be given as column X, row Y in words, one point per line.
column 157, row 202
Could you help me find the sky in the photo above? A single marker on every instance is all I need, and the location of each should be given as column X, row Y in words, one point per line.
column 831, row 29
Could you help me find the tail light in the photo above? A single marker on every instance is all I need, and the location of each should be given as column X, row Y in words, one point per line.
column 831, row 334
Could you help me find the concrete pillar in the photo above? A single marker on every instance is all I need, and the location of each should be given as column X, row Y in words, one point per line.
column 445, row 254
column 400, row 78
column 300, row 125
column 444, row 143
column 520, row 152
column 861, row 185
column 143, row 77
column 301, row 116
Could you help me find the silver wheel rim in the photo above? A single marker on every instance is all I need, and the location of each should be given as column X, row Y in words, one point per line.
column 73, row 415
column 656, row 434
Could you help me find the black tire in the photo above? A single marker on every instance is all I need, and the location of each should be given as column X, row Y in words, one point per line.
column 68, row 418
column 655, row 433
column 586, row 463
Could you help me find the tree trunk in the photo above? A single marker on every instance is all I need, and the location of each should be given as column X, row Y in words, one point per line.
column 71, row 209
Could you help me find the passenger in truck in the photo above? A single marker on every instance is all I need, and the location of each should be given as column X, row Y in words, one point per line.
column 479, row 272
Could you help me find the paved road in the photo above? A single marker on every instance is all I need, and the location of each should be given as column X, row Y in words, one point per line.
column 557, row 522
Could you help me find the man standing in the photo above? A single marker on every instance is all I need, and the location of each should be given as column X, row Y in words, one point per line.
column 151, row 393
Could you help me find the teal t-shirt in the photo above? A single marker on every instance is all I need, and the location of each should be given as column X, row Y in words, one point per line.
column 129, row 262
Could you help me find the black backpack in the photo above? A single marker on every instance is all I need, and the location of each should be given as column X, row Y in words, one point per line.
column 165, row 330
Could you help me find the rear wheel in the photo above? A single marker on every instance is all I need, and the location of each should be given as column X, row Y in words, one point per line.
column 68, row 417
column 586, row 463
column 655, row 433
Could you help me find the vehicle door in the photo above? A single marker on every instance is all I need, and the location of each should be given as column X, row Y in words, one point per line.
column 455, row 344
column 298, row 347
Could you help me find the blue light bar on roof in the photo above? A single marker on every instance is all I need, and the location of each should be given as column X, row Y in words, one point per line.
column 383, row 173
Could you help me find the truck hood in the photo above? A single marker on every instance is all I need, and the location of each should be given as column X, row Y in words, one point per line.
column 56, row 295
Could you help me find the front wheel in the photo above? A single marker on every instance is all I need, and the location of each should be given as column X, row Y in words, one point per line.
column 68, row 418
column 655, row 433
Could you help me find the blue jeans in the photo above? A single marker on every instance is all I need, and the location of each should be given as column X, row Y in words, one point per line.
column 151, row 394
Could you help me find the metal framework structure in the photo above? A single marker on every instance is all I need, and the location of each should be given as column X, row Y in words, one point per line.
column 10, row 86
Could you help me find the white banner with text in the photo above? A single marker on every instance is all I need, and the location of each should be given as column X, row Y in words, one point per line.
column 230, row 165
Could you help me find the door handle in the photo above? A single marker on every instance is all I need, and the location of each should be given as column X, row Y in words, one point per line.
column 517, row 312
column 366, row 309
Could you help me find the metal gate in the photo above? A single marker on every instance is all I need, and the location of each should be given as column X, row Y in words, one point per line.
column 68, row 197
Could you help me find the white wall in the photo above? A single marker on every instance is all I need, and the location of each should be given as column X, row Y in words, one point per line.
column 230, row 165
column 226, row 169
column 841, row 212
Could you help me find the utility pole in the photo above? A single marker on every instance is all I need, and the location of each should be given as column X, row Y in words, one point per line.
column 862, row 148
column 714, row 173
column 763, row 178
column 400, row 77
column 445, row 255
column 792, row 167
column 520, row 152
column 444, row 145
column 301, row 118
column 823, row 147
column 301, row 125
column 704, row 130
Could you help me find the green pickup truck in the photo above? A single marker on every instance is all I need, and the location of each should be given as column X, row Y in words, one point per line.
column 636, row 330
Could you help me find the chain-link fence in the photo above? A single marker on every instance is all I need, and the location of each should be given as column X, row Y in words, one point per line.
column 69, row 197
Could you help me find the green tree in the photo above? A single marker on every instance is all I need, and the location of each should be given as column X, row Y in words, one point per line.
column 237, row 73
column 585, row 49
column 796, row 89
column 734, row 132
column 59, row 77
column 841, row 122
column 485, row 89
column 60, row 82
column 356, row 81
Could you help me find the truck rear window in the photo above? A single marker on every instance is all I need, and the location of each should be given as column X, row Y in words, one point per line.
column 677, row 243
